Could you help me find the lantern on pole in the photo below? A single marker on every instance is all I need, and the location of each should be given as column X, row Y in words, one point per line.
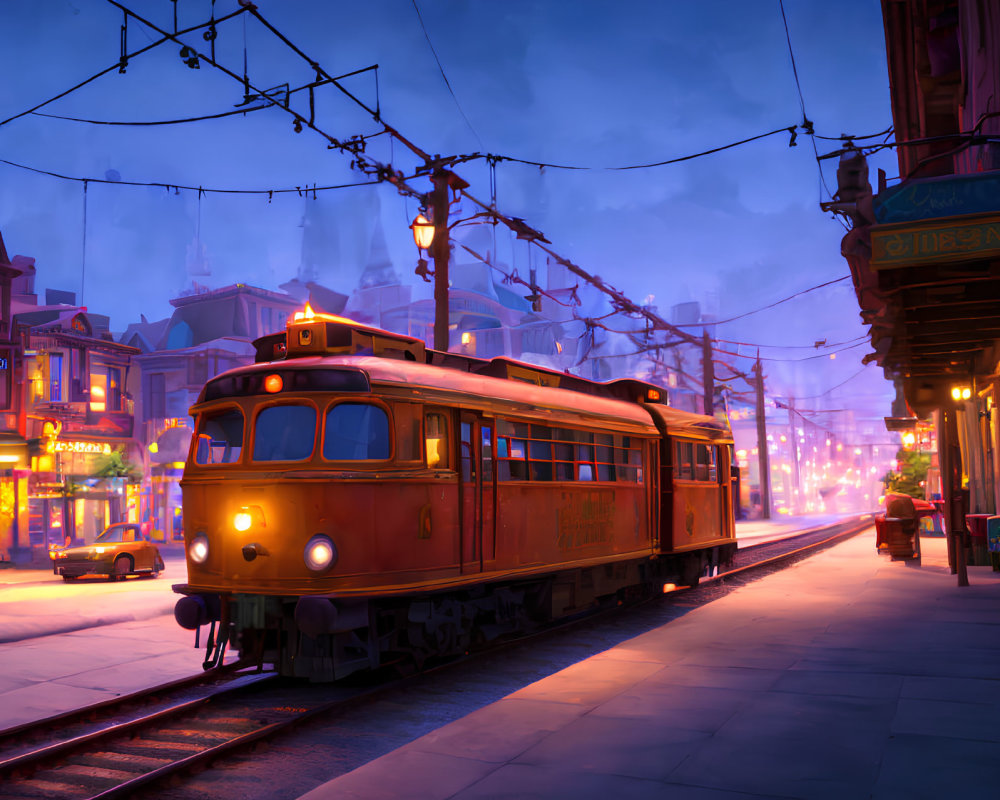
column 423, row 231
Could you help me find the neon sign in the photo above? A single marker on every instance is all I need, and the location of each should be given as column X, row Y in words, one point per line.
column 97, row 448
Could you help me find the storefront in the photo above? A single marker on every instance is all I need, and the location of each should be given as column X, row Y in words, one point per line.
column 78, row 487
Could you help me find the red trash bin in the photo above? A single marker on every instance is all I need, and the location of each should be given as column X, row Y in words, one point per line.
column 897, row 536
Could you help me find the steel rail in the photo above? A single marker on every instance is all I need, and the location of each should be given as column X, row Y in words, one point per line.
column 36, row 759
column 110, row 706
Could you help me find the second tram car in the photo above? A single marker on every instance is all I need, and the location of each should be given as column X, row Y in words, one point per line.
column 355, row 499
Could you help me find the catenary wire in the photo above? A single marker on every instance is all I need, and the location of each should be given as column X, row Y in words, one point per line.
column 447, row 83
column 300, row 190
column 763, row 308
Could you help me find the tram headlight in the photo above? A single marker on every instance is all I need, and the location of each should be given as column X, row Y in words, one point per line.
column 248, row 517
column 198, row 549
column 243, row 520
column 320, row 553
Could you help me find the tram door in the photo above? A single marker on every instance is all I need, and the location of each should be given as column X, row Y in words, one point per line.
column 477, row 494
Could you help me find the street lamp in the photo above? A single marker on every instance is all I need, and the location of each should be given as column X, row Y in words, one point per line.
column 423, row 231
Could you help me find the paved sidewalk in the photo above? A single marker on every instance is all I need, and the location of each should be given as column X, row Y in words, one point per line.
column 847, row 675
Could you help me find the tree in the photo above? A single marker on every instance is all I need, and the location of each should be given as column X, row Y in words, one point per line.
column 116, row 464
column 910, row 474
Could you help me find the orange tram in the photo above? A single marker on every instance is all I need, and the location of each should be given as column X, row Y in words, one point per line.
column 354, row 499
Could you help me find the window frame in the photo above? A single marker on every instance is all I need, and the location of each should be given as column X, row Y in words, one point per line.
column 445, row 459
column 263, row 408
column 690, row 468
column 367, row 401
column 195, row 439
column 592, row 457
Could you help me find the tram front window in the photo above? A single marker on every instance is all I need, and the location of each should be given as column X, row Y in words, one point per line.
column 220, row 437
column 356, row 432
column 284, row 433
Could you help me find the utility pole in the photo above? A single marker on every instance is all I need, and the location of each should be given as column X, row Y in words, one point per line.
column 955, row 498
column 794, row 439
column 440, row 251
column 708, row 374
column 763, row 462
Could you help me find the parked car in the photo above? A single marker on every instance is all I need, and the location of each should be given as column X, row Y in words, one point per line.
column 119, row 551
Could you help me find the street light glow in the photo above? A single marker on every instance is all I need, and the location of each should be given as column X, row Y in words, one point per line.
column 423, row 231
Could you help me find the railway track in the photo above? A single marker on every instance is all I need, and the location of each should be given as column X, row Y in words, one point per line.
column 123, row 749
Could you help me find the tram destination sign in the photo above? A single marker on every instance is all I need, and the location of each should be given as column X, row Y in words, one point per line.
column 935, row 241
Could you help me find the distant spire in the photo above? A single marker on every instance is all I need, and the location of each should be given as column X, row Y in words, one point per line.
column 378, row 266
column 4, row 259
column 319, row 241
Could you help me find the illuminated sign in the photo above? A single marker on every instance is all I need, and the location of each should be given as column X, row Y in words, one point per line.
column 3, row 363
column 97, row 448
column 930, row 242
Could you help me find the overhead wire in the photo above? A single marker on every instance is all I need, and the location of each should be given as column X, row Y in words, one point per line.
column 620, row 302
column 547, row 165
column 806, row 123
column 117, row 65
column 805, row 358
column 447, row 83
column 762, row 308
column 814, row 346
column 832, row 388
column 300, row 190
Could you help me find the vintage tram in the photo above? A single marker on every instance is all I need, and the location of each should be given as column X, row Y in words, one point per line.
column 355, row 499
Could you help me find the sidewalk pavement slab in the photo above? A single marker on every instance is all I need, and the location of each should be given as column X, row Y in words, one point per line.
column 847, row 675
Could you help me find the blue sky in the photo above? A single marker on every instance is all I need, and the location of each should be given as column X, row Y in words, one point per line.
column 580, row 83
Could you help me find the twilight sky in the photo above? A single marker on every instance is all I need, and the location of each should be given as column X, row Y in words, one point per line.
column 563, row 82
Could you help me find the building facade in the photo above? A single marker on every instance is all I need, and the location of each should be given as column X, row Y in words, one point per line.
column 13, row 446
column 924, row 252
column 209, row 332
column 79, row 421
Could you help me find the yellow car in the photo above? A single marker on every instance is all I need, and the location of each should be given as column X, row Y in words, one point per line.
column 118, row 552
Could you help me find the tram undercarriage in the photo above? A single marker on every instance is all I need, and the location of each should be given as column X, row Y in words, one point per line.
column 323, row 639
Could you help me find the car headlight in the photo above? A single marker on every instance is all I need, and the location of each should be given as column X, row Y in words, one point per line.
column 320, row 553
column 198, row 549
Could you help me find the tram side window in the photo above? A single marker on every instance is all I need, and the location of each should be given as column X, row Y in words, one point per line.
column 220, row 437
column 436, row 440
column 684, row 461
column 356, row 432
column 540, row 453
column 695, row 461
column 284, row 433
column 705, row 468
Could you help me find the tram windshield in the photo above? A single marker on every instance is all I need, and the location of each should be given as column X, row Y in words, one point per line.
column 220, row 437
column 356, row 432
column 284, row 433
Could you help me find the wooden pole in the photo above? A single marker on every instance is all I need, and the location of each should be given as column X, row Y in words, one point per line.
column 793, row 439
column 708, row 374
column 440, row 251
column 954, row 501
column 763, row 461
